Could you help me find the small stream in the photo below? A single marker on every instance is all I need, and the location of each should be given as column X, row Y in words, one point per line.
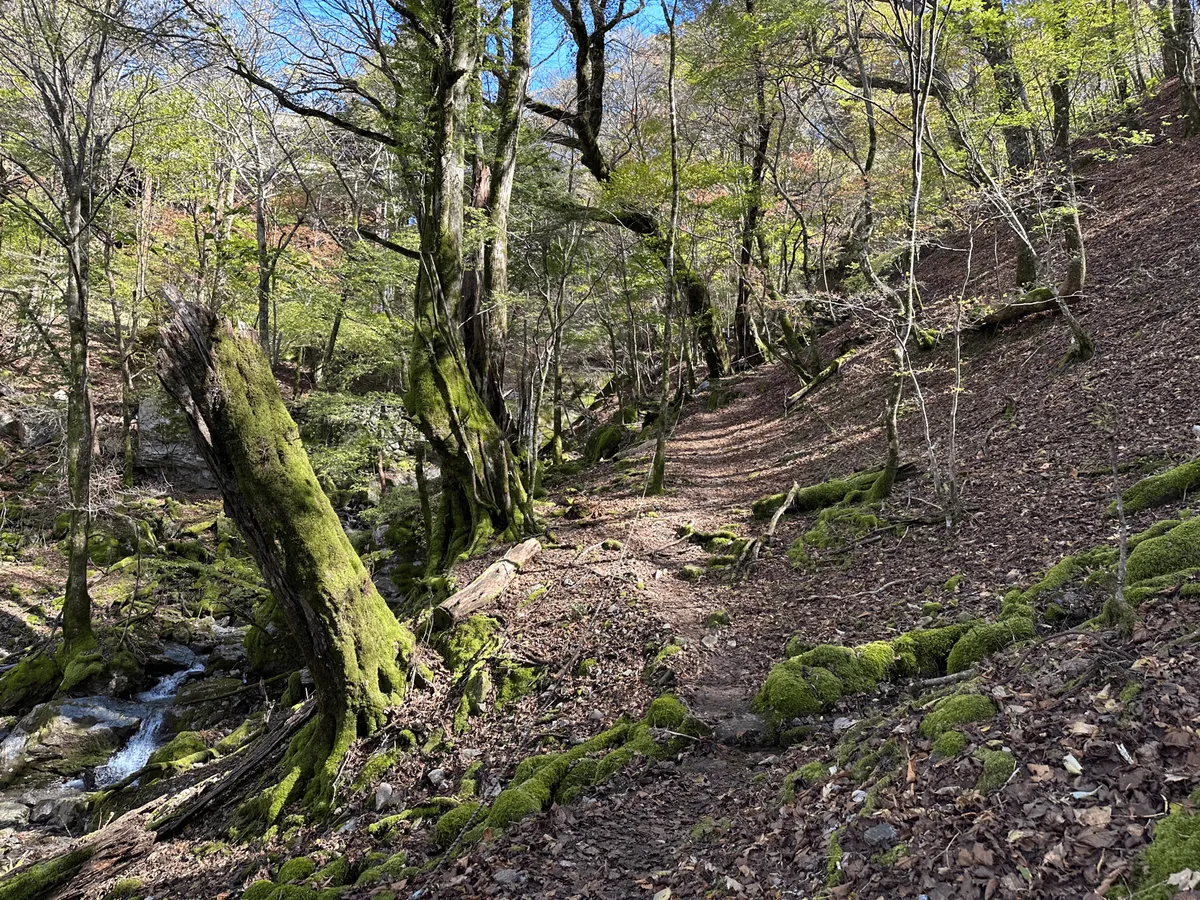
column 154, row 702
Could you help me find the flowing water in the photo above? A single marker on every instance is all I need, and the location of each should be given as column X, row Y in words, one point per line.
column 155, row 701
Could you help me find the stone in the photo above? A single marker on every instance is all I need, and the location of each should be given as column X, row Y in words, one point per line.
column 67, row 814
column 882, row 835
column 506, row 876
column 383, row 795
column 164, row 447
column 13, row 814
column 747, row 730
column 437, row 777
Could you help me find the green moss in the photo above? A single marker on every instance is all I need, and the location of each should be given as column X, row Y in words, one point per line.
column 585, row 667
column 956, row 710
column 950, row 743
column 32, row 681
column 1130, row 691
column 984, row 640
column 336, row 874
column 925, row 650
column 998, row 767
column 125, row 889
column 452, row 823
column 690, row 573
column 610, row 544
column 1159, row 490
column 394, row 868
column 808, row 774
column 952, row 583
column 1174, row 551
column 717, row 619
column 931, row 609
column 180, row 751
column 296, row 870
column 891, row 857
column 833, row 860
column 1175, row 847
column 604, row 443
column 41, row 879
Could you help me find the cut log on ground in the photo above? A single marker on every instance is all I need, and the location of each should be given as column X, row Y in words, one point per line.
column 487, row 588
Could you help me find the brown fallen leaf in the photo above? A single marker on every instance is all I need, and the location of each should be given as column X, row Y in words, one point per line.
column 1096, row 816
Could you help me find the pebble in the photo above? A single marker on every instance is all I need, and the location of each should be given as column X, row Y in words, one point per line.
column 436, row 777
column 596, row 715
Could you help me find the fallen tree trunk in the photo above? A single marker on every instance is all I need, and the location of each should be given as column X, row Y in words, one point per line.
column 486, row 588
column 1038, row 300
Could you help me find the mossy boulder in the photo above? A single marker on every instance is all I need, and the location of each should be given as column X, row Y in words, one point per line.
column 817, row 496
column 296, row 870
column 605, row 443
column 955, row 711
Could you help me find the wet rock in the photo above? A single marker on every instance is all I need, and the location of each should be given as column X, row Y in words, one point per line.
column 882, row 835
column 64, row 737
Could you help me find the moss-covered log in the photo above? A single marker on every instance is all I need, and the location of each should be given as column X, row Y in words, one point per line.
column 1159, row 490
column 353, row 645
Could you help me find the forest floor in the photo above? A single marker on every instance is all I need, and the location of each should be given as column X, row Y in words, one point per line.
column 616, row 624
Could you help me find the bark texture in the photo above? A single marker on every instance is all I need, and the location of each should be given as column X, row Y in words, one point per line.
column 353, row 645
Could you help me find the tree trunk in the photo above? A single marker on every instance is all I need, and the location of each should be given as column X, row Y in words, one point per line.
column 482, row 490
column 1019, row 142
column 352, row 644
column 1185, row 56
column 264, row 272
column 77, row 607
column 748, row 353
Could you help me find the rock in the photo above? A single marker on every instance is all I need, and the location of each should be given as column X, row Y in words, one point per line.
column 436, row 777
column 383, row 795
column 13, row 814
column 841, row 723
column 67, row 814
column 506, row 876
column 64, row 737
column 746, row 730
column 165, row 448
column 596, row 715
column 882, row 835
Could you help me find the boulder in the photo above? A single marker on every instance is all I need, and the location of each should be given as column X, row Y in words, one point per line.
column 13, row 814
column 65, row 737
column 68, row 814
column 164, row 446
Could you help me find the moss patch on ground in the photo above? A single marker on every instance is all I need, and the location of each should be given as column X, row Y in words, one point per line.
column 560, row 777
column 1175, row 847
column 998, row 767
column 954, row 711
